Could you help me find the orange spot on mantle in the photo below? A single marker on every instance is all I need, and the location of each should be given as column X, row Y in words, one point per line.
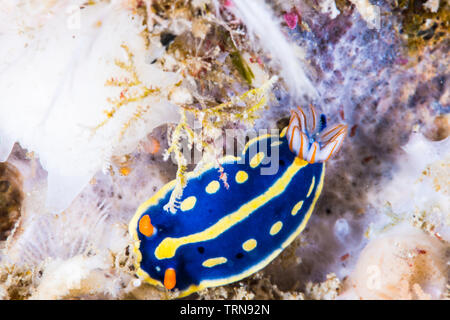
column 145, row 226
column 170, row 278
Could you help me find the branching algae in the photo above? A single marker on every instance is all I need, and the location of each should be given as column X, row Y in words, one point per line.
column 132, row 90
column 239, row 108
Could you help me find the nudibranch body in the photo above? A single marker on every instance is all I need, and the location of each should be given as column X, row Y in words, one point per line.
column 220, row 235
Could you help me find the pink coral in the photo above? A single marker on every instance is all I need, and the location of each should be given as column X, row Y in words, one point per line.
column 291, row 19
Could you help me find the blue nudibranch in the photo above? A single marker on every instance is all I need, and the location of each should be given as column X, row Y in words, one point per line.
column 220, row 235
